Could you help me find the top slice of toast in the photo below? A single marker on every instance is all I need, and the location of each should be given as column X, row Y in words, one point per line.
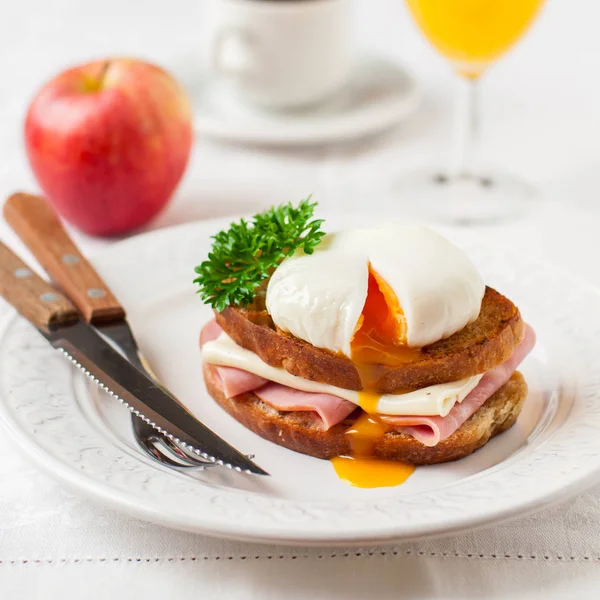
column 475, row 349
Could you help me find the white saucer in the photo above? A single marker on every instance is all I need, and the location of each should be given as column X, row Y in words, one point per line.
column 378, row 95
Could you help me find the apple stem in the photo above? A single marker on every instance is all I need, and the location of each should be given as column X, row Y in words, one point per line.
column 102, row 74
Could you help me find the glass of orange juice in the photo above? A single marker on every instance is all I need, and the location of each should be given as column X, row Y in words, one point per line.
column 471, row 34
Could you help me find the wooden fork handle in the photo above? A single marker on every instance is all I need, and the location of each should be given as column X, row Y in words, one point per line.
column 34, row 298
column 37, row 225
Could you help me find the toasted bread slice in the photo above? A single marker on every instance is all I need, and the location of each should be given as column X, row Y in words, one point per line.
column 300, row 430
column 477, row 348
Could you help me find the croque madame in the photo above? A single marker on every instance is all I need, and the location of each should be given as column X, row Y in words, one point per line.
column 317, row 335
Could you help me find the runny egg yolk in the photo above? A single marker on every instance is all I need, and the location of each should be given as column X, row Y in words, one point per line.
column 371, row 472
column 379, row 339
column 363, row 433
column 380, row 336
column 360, row 468
column 382, row 313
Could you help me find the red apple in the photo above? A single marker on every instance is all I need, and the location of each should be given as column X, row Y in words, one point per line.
column 108, row 142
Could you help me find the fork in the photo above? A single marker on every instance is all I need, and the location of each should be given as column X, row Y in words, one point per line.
column 163, row 450
column 43, row 233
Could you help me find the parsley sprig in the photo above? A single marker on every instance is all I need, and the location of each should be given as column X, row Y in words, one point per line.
column 246, row 254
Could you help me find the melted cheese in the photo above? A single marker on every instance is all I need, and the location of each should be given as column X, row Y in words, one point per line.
column 433, row 400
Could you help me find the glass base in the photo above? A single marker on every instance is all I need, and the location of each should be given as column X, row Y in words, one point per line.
column 484, row 198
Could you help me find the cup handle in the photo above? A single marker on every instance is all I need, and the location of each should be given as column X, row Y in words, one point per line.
column 219, row 60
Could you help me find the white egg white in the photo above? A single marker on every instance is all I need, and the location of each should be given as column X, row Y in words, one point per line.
column 320, row 297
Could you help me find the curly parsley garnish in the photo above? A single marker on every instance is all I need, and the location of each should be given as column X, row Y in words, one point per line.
column 246, row 254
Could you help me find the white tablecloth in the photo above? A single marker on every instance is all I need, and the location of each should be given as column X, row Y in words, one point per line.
column 541, row 120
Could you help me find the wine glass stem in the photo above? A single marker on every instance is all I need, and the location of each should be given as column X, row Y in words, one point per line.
column 466, row 127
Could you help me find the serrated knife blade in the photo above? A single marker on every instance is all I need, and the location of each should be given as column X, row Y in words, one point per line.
column 57, row 319
column 143, row 396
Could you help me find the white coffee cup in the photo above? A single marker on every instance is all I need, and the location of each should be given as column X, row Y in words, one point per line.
column 281, row 54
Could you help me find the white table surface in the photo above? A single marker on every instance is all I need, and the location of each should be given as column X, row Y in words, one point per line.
column 541, row 111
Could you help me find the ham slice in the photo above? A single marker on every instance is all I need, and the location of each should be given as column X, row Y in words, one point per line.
column 210, row 332
column 430, row 431
column 331, row 409
column 234, row 381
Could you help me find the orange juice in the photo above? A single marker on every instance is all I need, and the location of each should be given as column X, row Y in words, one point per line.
column 473, row 33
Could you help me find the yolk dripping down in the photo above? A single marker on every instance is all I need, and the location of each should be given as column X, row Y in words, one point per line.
column 361, row 469
column 380, row 336
column 380, row 339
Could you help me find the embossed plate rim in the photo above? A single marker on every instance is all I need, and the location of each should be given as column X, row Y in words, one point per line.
column 195, row 507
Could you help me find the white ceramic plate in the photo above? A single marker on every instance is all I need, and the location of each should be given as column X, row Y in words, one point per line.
column 82, row 437
column 379, row 94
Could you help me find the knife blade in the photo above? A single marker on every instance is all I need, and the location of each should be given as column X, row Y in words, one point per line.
column 40, row 229
column 42, row 232
column 58, row 321
column 144, row 397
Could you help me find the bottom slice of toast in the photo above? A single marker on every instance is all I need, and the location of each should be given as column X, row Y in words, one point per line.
column 300, row 430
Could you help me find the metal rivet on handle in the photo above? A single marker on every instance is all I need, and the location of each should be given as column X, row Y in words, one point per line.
column 48, row 297
column 96, row 293
column 23, row 273
column 70, row 259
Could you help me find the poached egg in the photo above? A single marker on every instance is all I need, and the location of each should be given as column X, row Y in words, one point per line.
column 378, row 294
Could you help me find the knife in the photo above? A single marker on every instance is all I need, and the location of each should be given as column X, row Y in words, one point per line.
column 39, row 228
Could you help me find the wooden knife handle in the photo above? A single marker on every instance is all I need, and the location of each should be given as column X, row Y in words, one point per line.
column 40, row 229
column 33, row 297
